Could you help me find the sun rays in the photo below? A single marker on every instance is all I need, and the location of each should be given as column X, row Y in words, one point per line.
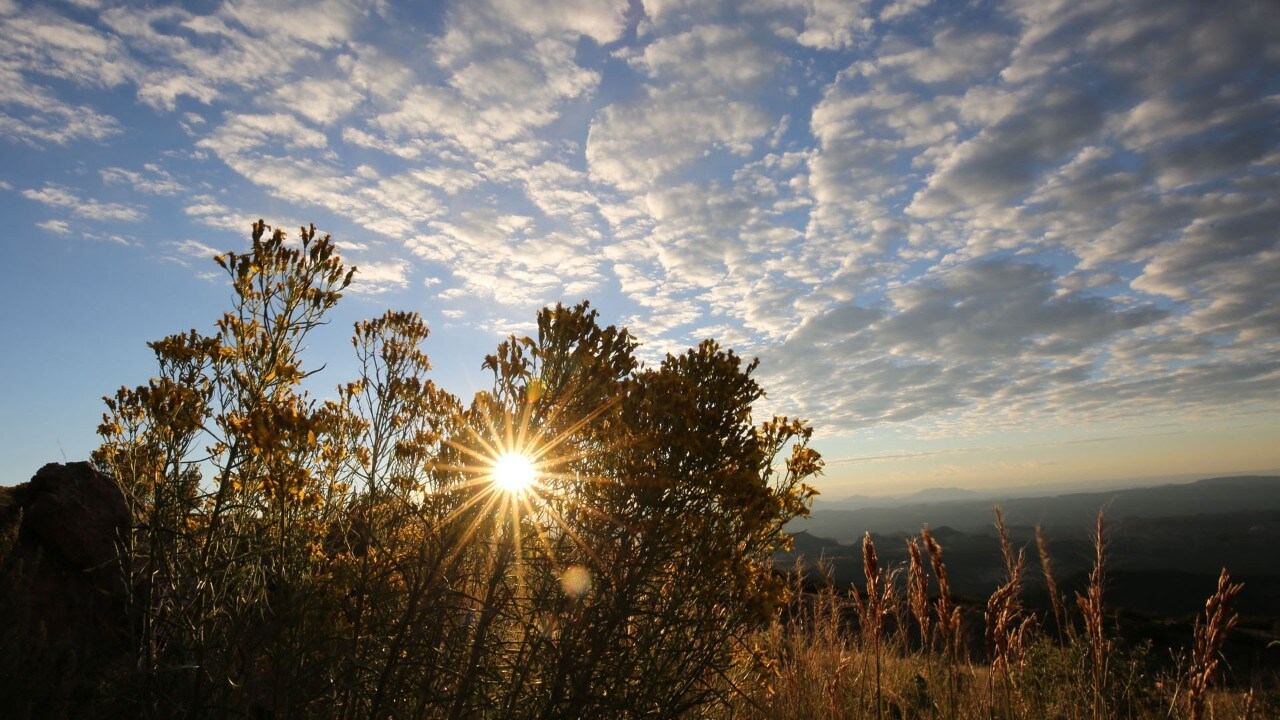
column 514, row 473
column 518, row 480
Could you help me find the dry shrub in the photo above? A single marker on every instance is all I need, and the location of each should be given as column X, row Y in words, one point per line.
column 354, row 556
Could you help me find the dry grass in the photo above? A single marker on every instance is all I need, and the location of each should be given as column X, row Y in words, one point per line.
column 833, row 655
column 1210, row 632
column 1091, row 612
column 1051, row 584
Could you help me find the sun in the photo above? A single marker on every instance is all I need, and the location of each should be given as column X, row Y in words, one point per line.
column 514, row 473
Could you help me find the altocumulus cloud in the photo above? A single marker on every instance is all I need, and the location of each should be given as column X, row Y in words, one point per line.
column 949, row 215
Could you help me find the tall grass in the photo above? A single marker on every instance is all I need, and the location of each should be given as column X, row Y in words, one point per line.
column 832, row 654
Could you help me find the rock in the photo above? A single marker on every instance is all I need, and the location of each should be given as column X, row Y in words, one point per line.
column 74, row 512
column 63, row 593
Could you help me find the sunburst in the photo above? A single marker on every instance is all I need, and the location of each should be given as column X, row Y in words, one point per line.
column 514, row 473
column 521, row 474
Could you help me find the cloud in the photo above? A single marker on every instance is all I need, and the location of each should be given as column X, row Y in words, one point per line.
column 509, row 70
column 374, row 278
column 47, row 44
column 327, row 23
column 506, row 259
column 1000, row 164
column 188, row 253
column 902, row 8
column 712, row 58
column 31, row 114
column 245, row 132
column 322, row 101
column 156, row 181
column 1222, row 264
column 631, row 146
column 821, row 24
column 955, row 55
column 1000, row 309
column 943, row 217
column 57, row 227
column 61, row 197
column 558, row 190
column 973, row 337
column 601, row 20
column 208, row 211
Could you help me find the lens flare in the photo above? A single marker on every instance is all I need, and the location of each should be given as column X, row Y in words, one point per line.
column 514, row 473
column 575, row 581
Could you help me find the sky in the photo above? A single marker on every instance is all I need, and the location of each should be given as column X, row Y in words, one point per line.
column 976, row 244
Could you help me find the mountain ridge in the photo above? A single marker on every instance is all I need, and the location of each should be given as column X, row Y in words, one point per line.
column 1072, row 513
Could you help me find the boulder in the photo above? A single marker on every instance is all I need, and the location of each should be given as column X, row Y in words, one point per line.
column 63, row 593
column 71, row 512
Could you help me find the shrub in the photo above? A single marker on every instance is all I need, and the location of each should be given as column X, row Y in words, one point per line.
column 354, row 556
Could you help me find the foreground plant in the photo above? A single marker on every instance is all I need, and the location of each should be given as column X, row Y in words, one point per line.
column 824, row 660
column 1008, row 625
column 1206, row 653
column 368, row 555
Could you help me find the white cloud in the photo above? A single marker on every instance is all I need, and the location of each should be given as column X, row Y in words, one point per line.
column 207, row 57
column 997, row 167
column 156, row 181
column 950, row 217
column 188, row 253
column 318, row 100
column 324, row 23
column 29, row 113
column 47, row 44
column 57, row 227
column 821, row 24
column 902, row 8
column 240, row 133
column 999, row 309
column 631, row 146
column 509, row 70
column 558, row 190
column 208, row 211
column 378, row 277
column 712, row 58
column 473, row 23
column 955, row 55
column 61, row 197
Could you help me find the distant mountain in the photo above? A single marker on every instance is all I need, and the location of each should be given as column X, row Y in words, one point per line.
column 941, row 494
column 813, row 547
column 1165, row 566
column 1069, row 514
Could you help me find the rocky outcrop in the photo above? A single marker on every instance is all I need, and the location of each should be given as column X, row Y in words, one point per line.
column 63, row 598
column 71, row 511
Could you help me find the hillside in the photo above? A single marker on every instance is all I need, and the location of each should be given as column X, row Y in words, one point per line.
column 1069, row 515
column 1166, row 544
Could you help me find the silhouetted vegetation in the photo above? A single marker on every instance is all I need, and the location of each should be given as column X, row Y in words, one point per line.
column 350, row 557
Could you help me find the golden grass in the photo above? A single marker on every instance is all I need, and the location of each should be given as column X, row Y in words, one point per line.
column 832, row 655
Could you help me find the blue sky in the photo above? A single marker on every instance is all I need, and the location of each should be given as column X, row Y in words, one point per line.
column 976, row 244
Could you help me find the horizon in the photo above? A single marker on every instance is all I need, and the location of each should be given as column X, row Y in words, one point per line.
column 1057, row 488
column 1015, row 244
